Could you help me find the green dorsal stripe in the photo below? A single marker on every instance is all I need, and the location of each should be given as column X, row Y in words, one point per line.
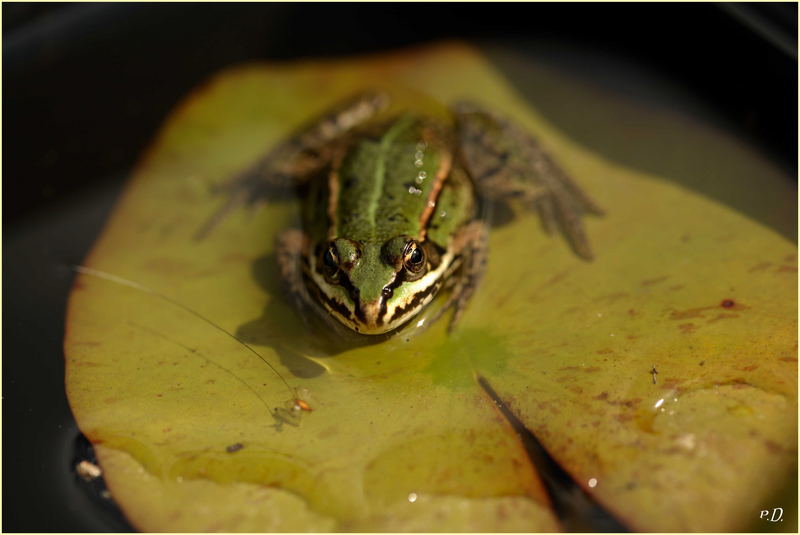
column 380, row 169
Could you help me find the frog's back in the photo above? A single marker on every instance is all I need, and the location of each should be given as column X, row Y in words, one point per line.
column 390, row 184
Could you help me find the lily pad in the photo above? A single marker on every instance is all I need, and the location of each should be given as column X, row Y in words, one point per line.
column 661, row 377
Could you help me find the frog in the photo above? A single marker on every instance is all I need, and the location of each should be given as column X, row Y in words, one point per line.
column 393, row 207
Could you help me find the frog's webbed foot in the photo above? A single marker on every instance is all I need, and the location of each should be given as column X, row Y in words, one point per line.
column 506, row 162
column 291, row 163
column 474, row 240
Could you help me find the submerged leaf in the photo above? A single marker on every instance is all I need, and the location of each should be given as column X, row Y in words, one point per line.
column 195, row 432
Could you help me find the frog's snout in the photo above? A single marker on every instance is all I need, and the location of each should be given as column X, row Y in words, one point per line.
column 370, row 315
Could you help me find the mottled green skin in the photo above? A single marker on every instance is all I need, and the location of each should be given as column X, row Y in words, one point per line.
column 456, row 206
column 380, row 198
column 376, row 178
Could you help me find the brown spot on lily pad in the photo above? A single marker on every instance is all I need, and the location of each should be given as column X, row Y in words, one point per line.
column 671, row 382
column 700, row 312
column 759, row 267
column 722, row 317
column 689, row 313
column 687, row 328
column 610, row 298
column 773, row 447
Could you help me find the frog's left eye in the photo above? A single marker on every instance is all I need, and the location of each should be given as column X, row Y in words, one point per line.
column 414, row 258
column 330, row 262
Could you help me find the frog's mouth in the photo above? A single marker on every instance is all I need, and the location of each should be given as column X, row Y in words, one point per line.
column 387, row 314
column 400, row 301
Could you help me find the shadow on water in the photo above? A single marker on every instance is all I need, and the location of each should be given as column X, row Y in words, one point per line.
column 659, row 128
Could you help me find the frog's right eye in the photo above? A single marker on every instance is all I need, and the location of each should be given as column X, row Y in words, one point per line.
column 414, row 260
column 330, row 262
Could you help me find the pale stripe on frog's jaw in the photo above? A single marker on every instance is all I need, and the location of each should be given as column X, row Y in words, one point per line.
column 381, row 315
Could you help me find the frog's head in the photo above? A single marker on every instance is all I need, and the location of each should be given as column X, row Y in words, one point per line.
column 373, row 287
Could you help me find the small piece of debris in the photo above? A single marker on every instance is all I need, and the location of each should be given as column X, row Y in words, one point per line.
column 300, row 405
column 88, row 471
column 654, row 372
column 234, row 447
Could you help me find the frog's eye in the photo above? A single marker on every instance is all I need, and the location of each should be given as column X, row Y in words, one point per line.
column 414, row 258
column 330, row 262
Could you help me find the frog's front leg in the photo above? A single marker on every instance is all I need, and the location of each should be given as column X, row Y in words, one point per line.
column 291, row 163
column 507, row 162
column 289, row 248
column 473, row 241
